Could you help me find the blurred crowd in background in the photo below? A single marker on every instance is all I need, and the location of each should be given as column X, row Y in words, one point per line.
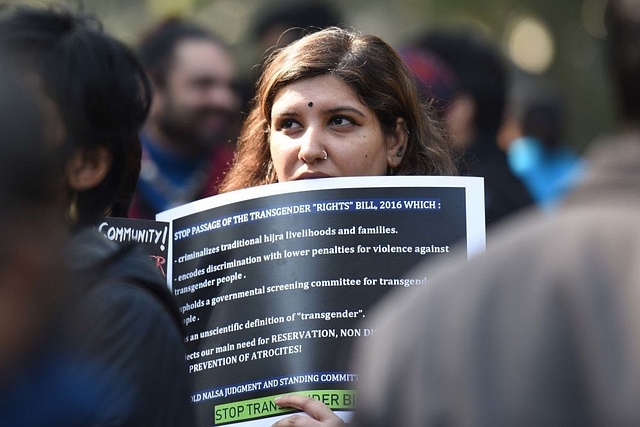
column 549, row 43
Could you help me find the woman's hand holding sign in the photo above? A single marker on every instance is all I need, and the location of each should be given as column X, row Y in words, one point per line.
column 319, row 414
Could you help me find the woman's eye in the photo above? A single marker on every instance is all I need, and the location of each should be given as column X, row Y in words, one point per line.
column 287, row 124
column 340, row 121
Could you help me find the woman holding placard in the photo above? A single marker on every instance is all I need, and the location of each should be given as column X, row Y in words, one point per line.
column 336, row 103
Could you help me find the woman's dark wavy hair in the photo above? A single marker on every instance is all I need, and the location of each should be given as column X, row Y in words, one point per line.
column 98, row 86
column 378, row 77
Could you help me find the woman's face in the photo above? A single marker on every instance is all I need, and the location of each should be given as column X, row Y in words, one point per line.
column 320, row 129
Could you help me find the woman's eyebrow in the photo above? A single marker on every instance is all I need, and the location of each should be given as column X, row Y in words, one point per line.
column 334, row 110
column 287, row 113
column 346, row 109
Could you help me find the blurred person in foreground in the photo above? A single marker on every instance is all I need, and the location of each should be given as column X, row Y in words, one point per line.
column 39, row 383
column 541, row 329
column 123, row 320
column 473, row 109
column 188, row 139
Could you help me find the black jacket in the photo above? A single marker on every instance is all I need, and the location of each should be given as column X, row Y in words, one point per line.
column 126, row 321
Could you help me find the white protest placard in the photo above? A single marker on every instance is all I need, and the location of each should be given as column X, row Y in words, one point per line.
column 273, row 281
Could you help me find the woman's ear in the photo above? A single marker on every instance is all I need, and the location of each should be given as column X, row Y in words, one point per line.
column 397, row 144
column 86, row 169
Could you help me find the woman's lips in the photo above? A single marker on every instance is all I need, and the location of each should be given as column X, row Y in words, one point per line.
column 311, row 175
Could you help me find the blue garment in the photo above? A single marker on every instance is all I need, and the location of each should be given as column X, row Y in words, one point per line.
column 56, row 390
column 167, row 179
column 547, row 174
